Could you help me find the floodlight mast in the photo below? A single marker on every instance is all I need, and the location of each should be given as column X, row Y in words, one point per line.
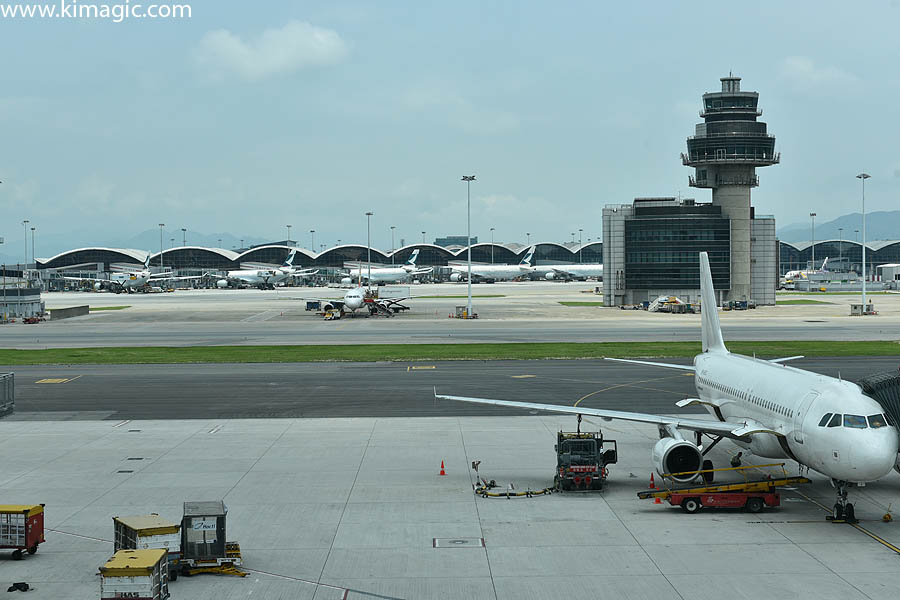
column 469, row 179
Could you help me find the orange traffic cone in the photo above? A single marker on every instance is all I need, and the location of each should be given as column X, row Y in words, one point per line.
column 442, row 469
column 657, row 501
column 652, row 482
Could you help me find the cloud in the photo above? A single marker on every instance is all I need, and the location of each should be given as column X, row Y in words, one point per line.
column 802, row 72
column 295, row 46
column 462, row 113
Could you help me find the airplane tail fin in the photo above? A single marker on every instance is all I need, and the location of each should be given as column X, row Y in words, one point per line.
column 824, row 262
column 526, row 260
column 289, row 261
column 413, row 258
column 147, row 262
column 711, row 332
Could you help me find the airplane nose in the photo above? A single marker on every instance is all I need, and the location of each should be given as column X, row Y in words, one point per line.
column 876, row 454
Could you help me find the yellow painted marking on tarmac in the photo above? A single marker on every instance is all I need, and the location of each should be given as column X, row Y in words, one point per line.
column 74, row 378
column 52, row 380
column 620, row 385
column 857, row 526
column 522, row 376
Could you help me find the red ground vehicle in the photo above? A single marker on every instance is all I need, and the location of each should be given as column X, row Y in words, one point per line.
column 752, row 501
column 21, row 528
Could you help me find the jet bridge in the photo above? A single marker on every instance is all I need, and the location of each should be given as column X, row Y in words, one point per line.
column 884, row 388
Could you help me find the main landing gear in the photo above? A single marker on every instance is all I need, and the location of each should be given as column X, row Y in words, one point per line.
column 843, row 510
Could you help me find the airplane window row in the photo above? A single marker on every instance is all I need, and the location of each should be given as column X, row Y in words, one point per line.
column 856, row 421
column 767, row 404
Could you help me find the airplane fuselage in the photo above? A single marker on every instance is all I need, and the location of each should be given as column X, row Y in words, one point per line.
column 492, row 271
column 386, row 274
column 793, row 404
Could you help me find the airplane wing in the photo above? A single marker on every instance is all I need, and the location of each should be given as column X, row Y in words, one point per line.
column 655, row 364
column 164, row 277
column 725, row 429
column 785, row 359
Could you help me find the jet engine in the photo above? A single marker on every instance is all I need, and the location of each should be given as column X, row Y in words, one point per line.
column 676, row 456
column 98, row 286
column 222, row 283
column 346, row 281
column 550, row 276
column 897, row 464
column 455, row 277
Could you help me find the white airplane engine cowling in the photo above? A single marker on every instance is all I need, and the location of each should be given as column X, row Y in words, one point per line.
column 897, row 464
column 676, row 456
column 326, row 306
column 346, row 281
column 222, row 283
column 456, row 277
column 98, row 286
column 550, row 276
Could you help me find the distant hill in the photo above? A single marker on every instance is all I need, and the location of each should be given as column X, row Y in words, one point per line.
column 880, row 225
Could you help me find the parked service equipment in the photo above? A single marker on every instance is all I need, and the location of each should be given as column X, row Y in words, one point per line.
column 753, row 495
column 582, row 459
column 142, row 574
column 21, row 528
column 145, row 532
column 7, row 394
column 203, row 545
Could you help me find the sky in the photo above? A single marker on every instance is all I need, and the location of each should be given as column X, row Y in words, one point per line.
column 250, row 116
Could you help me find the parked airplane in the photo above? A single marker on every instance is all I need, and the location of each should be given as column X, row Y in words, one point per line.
column 772, row 410
column 804, row 273
column 579, row 271
column 129, row 281
column 494, row 272
column 265, row 278
column 389, row 274
column 355, row 299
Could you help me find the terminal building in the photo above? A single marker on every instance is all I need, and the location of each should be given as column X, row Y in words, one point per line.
column 651, row 247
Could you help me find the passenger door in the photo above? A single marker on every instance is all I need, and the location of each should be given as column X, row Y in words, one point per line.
column 800, row 415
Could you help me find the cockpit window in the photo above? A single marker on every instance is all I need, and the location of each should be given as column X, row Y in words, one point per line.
column 876, row 421
column 855, row 421
column 835, row 421
column 824, row 420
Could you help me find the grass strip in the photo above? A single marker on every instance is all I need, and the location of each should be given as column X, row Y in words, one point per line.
column 580, row 303
column 801, row 301
column 430, row 352
column 96, row 308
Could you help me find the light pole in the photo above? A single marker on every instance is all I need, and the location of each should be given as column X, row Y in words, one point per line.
column 423, row 237
column 841, row 246
column 469, row 179
column 220, row 242
column 25, row 226
column 864, row 176
column 580, row 244
column 242, row 244
column 183, row 236
column 161, row 225
column 856, row 235
column 312, row 240
column 813, row 217
column 492, row 245
column 369, row 247
column 32, row 248
column 392, row 243
column 573, row 237
column 528, row 239
column 289, row 235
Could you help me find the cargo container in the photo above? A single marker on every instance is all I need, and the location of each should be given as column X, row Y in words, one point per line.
column 144, row 532
column 137, row 574
column 21, row 528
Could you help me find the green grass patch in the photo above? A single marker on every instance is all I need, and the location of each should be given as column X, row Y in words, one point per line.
column 465, row 296
column 429, row 352
column 856, row 293
column 581, row 303
column 96, row 308
column 801, row 301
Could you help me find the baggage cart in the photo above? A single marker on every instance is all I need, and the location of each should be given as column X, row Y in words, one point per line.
column 21, row 528
column 144, row 532
column 138, row 574
column 204, row 548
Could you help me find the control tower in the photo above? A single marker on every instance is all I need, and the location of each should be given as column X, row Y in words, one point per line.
column 725, row 151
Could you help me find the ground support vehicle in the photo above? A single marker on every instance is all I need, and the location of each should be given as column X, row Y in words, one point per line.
column 753, row 495
column 203, row 545
column 141, row 574
column 582, row 459
column 145, row 532
column 21, row 528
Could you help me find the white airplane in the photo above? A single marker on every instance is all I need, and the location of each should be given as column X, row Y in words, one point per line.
column 355, row 299
column 129, row 281
column 494, row 272
column 772, row 410
column 579, row 271
column 804, row 273
column 265, row 278
column 389, row 274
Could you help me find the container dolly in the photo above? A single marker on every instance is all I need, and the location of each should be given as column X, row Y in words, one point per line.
column 21, row 528
column 753, row 495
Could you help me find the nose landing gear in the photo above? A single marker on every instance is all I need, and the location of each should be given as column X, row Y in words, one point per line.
column 843, row 511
